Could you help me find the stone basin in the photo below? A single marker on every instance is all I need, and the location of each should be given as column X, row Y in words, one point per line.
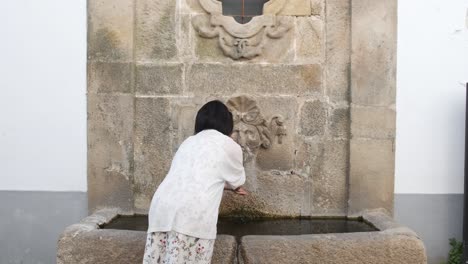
column 370, row 237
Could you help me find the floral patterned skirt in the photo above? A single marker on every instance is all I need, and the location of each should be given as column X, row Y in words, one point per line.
column 173, row 248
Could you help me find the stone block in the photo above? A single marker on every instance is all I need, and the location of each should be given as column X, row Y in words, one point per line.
column 103, row 246
column 159, row 79
column 309, row 39
column 293, row 8
column 155, row 30
column 271, row 194
column 339, row 125
column 254, row 79
column 329, row 184
column 338, row 49
column 110, row 30
column 372, row 169
column 282, row 194
column 225, row 250
column 183, row 119
column 313, row 118
column 191, row 7
column 110, row 151
column 352, row 248
column 185, row 41
column 373, row 59
column 373, row 122
column 109, row 77
column 153, row 151
column 326, row 164
column 317, row 7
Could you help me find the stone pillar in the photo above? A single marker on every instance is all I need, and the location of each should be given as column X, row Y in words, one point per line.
column 158, row 83
column 110, row 104
column 373, row 85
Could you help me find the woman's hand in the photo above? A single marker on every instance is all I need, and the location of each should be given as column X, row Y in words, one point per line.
column 241, row 191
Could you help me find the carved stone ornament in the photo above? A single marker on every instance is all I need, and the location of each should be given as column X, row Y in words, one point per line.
column 251, row 130
column 243, row 40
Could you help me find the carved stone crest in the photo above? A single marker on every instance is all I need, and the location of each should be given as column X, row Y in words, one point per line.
column 242, row 40
column 251, row 130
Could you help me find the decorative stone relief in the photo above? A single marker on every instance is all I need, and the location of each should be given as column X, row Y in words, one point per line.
column 251, row 130
column 243, row 40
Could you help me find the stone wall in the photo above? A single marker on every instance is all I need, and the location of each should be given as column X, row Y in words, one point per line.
column 317, row 90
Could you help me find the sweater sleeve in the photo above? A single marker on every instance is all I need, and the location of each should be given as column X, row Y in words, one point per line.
column 233, row 173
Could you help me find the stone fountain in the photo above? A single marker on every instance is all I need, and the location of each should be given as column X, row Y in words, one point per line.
column 311, row 84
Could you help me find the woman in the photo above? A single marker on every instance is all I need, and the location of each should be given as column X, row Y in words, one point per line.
column 184, row 209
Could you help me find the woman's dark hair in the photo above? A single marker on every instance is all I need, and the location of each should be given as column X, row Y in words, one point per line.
column 214, row 115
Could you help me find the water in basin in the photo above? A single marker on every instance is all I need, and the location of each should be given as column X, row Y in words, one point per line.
column 239, row 227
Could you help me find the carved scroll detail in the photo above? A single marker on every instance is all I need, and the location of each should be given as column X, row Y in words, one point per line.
column 251, row 130
column 242, row 40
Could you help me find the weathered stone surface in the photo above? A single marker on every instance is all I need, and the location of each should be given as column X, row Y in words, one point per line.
column 276, row 50
column 207, row 49
column 295, row 8
column 279, row 50
column 110, row 151
column 280, row 156
column 124, row 247
column 185, row 42
column 254, row 79
column 155, row 30
column 153, row 153
column 101, row 246
column 373, row 122
column 159, row 79
column 191, row 6
column 329, row 183
column 270, row 194
column 338, row 49
column 225, row 250
column 283, row 194
column 309, row 39
column 373, row 67
column 184, row 111
column 109, row 77
column 317, row 7
column 110, row 30
column 326, row 163
column 356, row 248
column 88, row 244
column 339, row 124
column 266, row 38
column 313, row 118
column 372, row 169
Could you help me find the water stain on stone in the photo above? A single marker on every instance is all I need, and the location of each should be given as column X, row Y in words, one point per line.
column 105, row 44
column 165, row 46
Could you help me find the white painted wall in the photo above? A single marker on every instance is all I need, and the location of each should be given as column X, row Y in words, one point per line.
column 432, row 72
column 43, row 100
column 43, row 84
